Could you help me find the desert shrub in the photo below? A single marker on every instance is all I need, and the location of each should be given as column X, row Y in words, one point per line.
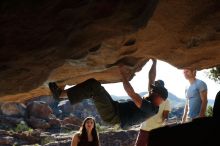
column 209, row 111
column 22, row 126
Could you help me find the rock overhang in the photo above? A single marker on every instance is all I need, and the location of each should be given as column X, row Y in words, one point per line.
column 71, row 41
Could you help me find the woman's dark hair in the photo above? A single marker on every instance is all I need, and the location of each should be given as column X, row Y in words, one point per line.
column 83, row 133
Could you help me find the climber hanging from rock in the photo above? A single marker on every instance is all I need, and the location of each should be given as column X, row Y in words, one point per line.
column 126, row 113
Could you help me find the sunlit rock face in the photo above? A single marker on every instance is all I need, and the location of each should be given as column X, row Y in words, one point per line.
column 70, row 41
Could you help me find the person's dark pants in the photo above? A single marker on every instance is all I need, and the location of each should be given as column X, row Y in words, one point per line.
column 142, row 138
column 216, row 107
column 92, row 88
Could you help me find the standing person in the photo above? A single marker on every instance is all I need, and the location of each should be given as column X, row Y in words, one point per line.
column 216, row 107
column 196, row 96
column 87, row 135
column 158, row 119
column 126, row 113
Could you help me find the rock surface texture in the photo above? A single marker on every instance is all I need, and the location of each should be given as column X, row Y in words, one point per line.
column 70, row 41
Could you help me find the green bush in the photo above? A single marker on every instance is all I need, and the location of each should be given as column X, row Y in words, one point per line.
column 100, row 128
column 214, row 74
column 209, row 111
column 22, row 126
column 116, row 127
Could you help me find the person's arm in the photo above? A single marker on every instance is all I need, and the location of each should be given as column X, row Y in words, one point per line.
column 152, row 74
column 203, row 95
column 128, row 88
column 75, row 140
column 166, row 110
column 185, row 111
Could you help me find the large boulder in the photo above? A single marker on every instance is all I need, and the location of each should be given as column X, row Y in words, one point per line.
column 39, row 109
column 38, row 123
column 80, row 110
column 53, row 104
column 13, row 109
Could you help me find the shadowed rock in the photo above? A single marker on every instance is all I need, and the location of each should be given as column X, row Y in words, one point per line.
column 201, row 131
column 39, row 109
column 13, row 109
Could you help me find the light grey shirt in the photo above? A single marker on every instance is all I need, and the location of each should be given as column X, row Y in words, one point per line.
column 193, row 94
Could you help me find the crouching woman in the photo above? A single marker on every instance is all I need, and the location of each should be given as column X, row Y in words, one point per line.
column 87, row 135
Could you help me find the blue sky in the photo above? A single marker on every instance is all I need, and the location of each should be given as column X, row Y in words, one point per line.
column 173, row 78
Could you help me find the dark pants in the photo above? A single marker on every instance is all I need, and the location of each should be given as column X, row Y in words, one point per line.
column 142, row 138
column 216, row 107
column 92, row 88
